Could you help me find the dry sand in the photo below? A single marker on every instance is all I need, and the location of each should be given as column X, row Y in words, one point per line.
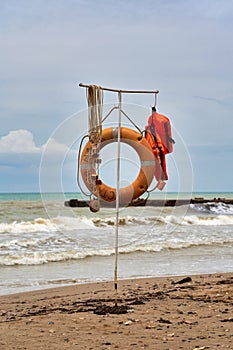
column 161, row 314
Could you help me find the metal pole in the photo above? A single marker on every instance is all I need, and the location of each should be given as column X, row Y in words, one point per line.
column 118, row 165
column 117, row 196
column 123, row 91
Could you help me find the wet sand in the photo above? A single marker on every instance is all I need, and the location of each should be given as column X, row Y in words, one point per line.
column 156, row 313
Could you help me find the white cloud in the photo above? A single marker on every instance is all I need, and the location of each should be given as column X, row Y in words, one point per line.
column 21, row 162
column 22, row 141
column 53, row 147
column 18, row 141
column 18, row 150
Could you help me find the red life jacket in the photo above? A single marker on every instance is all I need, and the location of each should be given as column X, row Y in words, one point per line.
column 159, row 137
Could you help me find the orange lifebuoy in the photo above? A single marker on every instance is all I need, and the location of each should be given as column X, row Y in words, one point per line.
column 138, row 186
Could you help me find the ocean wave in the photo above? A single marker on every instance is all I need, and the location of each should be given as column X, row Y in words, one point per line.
column 42, row 257
column 36, row 225
column 67, row 224
column 168, row 219
column 123, row 221
column 201, row 221
column 46, row 225
column 214, row 208
column 36, row 243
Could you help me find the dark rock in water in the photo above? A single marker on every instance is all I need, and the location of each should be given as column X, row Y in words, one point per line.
column 75, row 203
column 141, row 202
column 96, row 204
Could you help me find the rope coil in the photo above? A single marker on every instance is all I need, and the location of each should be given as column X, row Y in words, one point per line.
column 95, row 110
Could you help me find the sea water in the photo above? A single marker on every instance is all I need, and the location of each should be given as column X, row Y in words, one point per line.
column 43, row 243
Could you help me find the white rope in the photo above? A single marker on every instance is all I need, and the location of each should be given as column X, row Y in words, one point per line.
column 95, row 110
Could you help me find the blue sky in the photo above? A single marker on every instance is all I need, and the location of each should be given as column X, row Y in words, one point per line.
column 181, row 47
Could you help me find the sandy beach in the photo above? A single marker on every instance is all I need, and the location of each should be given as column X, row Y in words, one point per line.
column 155, row 313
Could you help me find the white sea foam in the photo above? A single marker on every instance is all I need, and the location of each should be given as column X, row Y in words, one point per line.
column 46, row 225
column 37, row 225
column 59, row 255
column 213, row 207
column 168, row 219
column 81, row 223
column 202, row 220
